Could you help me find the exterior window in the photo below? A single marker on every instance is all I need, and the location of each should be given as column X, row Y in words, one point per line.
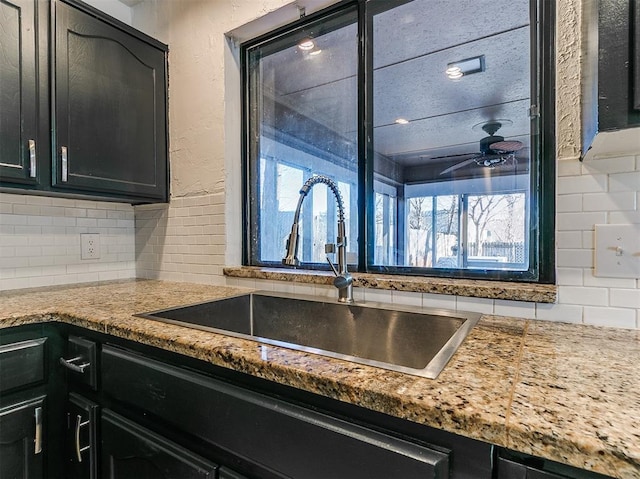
column 431, row 120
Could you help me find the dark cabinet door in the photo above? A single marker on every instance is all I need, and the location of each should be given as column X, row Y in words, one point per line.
column 21, row 440
column 110, row 109
column 81, row 438
column 130, row 451
column 18, row 91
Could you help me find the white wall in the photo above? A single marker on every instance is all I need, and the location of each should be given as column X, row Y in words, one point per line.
column 114, row 8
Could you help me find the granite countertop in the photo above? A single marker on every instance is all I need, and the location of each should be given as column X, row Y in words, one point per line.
column 564, row 392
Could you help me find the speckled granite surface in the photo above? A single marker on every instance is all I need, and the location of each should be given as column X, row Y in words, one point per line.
column 565, row 392
column 538, row 293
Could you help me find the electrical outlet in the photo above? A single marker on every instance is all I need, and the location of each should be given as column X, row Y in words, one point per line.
column 90, row 246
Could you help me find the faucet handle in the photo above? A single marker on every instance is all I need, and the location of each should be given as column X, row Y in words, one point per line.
column 335, row 271
column 329, row 248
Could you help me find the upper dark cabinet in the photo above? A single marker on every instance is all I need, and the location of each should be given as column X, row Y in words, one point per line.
column 611, row 87
column 83, row 102
column 110, row 108
column 19, row 92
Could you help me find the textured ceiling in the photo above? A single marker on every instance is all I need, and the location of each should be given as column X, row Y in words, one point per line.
column 420, row 39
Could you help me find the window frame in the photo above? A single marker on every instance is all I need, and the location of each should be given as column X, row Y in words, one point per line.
column 542, row 176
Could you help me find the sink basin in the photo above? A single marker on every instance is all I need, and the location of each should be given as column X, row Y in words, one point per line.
column 415, row 341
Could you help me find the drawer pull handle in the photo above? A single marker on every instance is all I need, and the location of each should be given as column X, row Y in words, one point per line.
column 80, row 450
column 32, row 158
column 71, row 364
column 64, row 164
column 38, row 434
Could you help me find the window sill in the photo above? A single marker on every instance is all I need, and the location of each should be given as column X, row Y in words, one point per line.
column 530, row 292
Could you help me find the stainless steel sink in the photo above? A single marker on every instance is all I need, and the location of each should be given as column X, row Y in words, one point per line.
column 410, row 340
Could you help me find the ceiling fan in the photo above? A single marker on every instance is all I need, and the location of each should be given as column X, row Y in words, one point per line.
column 494, row 150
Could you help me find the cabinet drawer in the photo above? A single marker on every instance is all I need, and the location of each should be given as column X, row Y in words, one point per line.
column 286, row 438
column 21, row 364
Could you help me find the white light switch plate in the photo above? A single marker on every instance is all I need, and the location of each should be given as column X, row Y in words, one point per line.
column 617, row 251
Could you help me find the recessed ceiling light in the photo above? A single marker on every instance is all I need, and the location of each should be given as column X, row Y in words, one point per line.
column 306, row 44
column 402, row 121
column 468, row 66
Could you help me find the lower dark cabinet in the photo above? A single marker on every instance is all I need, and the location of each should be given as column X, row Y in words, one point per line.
column 278, row 436
column 21, row 440
column 130, row 451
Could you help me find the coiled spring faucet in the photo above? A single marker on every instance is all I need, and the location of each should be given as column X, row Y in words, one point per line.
column 343, row 280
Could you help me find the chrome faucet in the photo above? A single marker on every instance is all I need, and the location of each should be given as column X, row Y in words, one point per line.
column 343, row 280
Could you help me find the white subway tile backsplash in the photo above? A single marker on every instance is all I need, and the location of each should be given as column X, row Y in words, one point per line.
column 575, row 258
column 569, row 203
column 476, row 305
column 620, row 201
column 610, row 317
column 581, row 184
column 599, row 282
column 625, row 298
column 570, row 276
column 44, row 234
column 580, row 221
column 625, row 182
column 583, row 295
column 378, row 296
column 304, row 289
column 569, row 239
column 518, row 309
column 441, row 301
column 624, row 217
column 406, row 298
column 565, row 313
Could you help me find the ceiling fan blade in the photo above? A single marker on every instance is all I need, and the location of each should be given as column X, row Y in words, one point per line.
column 507, row 146
column 457, row 166
column 444, row 157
